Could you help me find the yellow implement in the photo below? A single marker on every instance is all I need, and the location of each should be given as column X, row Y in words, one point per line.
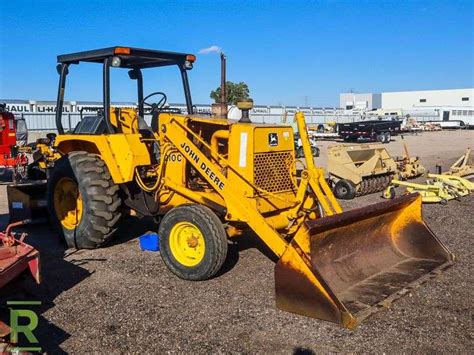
column 208, row 179
column 438, row 188
column 408, row 167
column 463, row 166
column 360, row 169
column 454, row 181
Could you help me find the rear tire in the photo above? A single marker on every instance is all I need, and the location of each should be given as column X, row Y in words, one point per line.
column 193, row 242
column 344, row 190
column 381, row 137
column 90, row 219
column 388, row 137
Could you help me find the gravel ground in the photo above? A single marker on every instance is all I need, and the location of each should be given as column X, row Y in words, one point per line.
column 119, row 299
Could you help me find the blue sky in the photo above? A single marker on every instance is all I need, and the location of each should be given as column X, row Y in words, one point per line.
column 284, row 50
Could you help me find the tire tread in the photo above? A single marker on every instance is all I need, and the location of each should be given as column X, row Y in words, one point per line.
column 103, row 212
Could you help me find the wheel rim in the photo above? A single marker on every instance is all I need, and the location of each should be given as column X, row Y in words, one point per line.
column 68, row 203
column 187, row 244
column 342, row 191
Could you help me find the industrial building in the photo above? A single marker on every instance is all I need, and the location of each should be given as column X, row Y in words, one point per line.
column 427, row 98
column 406, row 100
column 359, row 101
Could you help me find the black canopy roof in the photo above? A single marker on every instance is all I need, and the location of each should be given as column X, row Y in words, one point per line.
column 130, row 57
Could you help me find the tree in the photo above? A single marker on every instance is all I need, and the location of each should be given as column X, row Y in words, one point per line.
column 235, row 92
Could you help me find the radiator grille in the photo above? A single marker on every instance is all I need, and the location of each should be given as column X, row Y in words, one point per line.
column 272, row 171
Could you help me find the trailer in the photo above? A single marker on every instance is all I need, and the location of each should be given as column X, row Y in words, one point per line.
column 322, row 136
column 323, row 131
column 375, row 130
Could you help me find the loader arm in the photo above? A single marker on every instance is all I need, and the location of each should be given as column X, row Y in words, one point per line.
column 238, row 207
column 316, row 175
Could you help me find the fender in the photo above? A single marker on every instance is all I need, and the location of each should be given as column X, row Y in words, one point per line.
column 122, row 153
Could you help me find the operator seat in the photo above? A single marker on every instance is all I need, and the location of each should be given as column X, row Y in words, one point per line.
column 147, row 132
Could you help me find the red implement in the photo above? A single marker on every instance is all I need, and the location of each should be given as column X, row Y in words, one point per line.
column 11, row 159
column 17, row 256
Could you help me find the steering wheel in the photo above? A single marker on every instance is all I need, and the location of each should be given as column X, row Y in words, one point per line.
column 155, row 106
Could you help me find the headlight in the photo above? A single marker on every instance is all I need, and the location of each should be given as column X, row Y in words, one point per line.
column 116, row 61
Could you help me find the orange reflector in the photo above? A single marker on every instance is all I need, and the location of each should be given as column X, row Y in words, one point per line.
column 191, row 58
column 122, row 50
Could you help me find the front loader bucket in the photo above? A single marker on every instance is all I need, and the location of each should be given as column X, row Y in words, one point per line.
column 345, row 267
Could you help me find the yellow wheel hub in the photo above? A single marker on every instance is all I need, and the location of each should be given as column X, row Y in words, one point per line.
column 68, row 203
column 187, row 244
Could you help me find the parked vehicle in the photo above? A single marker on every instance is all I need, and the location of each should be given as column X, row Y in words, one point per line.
column 11, row 157
column 299, row 147
column 375, row 130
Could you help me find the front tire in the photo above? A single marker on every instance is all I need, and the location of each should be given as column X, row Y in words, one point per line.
column 315, row 151
column 299, row 153
column 83, row 200
column 193, row 242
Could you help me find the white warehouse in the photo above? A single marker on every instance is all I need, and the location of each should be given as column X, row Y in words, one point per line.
column 406, row 100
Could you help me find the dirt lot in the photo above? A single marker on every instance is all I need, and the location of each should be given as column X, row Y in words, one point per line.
column 124, row 300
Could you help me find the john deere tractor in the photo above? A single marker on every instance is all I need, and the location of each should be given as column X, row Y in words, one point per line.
column 209, row 179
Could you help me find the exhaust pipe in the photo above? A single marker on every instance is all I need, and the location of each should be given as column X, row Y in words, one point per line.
column 220, row 109
column 223, row 82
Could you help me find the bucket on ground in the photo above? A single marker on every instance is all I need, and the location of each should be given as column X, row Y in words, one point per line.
column 344, row 267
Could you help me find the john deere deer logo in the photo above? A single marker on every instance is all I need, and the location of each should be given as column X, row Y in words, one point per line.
column 272, row 139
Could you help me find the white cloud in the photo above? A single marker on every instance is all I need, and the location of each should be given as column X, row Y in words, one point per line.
column 211, row 49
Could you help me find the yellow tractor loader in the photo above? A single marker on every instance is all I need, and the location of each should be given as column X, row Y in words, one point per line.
column 211, row 179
